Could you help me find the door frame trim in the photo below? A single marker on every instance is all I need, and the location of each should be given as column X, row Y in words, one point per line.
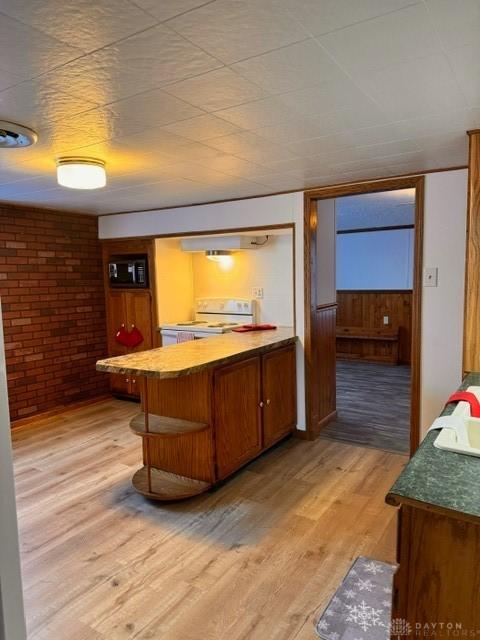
column 310, row 224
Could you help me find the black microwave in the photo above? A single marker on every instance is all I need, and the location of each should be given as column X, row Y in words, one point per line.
column 128, row 271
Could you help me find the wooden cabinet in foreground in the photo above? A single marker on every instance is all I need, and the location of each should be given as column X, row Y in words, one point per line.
column 200, row 428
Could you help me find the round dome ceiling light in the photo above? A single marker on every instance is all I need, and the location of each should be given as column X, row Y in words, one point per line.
column 14, row 136
column 81, row 173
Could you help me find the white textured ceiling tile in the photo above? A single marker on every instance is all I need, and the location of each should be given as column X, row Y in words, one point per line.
column 454, row 142
column 202, row 128
column 294, row 67
column 166, row 9
column 457, row 23
column 216, row 90
column 250, row 147
column 420, row 87
column 390, row 39
column 328, row 97
column 294, row 130
column 193, row 151
column 257, row 114
column 154, row 108
column 81, row 23
column 28, row 52
column 464, row 62
column 460, row 120
column 376, row 135
column 233, row 166
column 33, row 104
column 322, row 145
column 142, row 62
column 238, row 29
column 8, row 79
column 322, row 16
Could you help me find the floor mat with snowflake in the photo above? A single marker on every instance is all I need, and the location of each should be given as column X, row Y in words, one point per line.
column 361, row 607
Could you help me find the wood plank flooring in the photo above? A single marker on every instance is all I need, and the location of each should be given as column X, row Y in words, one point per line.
column 257, row 559
column 373, row 406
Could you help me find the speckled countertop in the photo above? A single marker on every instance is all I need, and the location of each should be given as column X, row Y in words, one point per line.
column 441, row 479
column 183, row 359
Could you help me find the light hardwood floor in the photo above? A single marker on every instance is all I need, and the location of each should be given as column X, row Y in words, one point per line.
column 258, row 559
column 373, row 406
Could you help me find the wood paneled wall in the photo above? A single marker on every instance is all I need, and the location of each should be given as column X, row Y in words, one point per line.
column 323, row 400
column 367, row 308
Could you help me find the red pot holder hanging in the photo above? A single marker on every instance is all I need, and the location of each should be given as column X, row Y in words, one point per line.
column 122, row 336
column 135, row 337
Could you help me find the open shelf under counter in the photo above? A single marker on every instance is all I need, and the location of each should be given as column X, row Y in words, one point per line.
column 167, row 486
column 164, row 426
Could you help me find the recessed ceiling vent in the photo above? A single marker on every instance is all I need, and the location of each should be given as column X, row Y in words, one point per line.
column 14, row 135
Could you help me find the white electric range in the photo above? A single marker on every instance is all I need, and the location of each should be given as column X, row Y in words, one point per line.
column 212, row 316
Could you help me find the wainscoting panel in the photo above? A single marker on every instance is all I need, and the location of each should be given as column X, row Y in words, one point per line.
column 366, row 309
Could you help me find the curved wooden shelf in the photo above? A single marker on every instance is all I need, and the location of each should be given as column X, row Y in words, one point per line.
column 167, row 486
column 164, row 426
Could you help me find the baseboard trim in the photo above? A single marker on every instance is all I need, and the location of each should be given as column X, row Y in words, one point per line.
column 321, row 424
column 30, row 421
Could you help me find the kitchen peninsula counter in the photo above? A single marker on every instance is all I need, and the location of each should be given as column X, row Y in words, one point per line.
column 196, row 355
column 209, row 406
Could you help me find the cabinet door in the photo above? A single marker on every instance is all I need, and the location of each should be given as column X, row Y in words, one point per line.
column 278, row 394
column 116, row 316
column 120, row 384
column 237, row 415
column 139, row 315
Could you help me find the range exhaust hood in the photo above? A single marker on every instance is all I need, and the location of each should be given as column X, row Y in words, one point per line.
column 223, row 243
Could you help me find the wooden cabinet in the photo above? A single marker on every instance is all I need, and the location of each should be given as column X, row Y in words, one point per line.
column 279, row 394
column 436, row 585
column 199, row 428
column 255, row 406
column 128, row 309
column 237, row 415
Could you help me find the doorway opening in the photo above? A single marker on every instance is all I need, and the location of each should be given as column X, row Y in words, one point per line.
column 363, row 290
column 375, row 234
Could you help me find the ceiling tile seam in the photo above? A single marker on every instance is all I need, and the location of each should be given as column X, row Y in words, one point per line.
column 347, row 26
column 183, row 13
column 111, row 44
column 445, row 53
column 204, row 73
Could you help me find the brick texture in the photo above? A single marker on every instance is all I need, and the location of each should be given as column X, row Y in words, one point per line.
column 52, row 295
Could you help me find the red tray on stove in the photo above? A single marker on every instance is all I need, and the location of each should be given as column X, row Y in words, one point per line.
column 254, row 327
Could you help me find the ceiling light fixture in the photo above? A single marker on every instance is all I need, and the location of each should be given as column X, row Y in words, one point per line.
column 217, row 255
column 81, row 173
column 13, row 136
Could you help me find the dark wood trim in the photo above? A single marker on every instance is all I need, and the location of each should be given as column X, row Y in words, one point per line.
column 471, row 330
column 324, row 421
column 302, row 435
column 310, row 223
column 397, row 227
column 279, row 193
column 415, row 399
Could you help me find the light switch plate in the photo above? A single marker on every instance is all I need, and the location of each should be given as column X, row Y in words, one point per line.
column 257, row 292
column 386, row 319
column 430, row 277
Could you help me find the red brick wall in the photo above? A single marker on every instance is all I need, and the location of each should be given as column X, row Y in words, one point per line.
column 52, row 295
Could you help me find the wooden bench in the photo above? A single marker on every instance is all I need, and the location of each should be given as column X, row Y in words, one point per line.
column 370, row 345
